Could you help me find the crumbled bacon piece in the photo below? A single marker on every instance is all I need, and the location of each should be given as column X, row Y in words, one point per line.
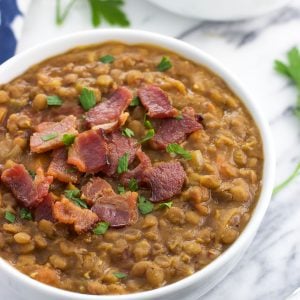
column 157, row 102
column 27, row 191
column 48, row 135
column 66, row 212
column 95, row 189
column 138, row 172
column 43, row 211
column 89, row 152
column 166, row 180
column 118, row 210
column 175, row 130
column 118, row 145
column 109, row 115
column 60, row 169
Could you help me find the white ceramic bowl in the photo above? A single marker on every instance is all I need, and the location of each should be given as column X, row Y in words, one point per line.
column 199, row 283
column 220, row 10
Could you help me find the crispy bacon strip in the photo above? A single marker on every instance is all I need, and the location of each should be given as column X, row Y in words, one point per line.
column 60, row 169
column 166, row 180
column 49, row 135
column 176, row 130
column 117, row 210
column 89, row 152
column 157, row 102
column 95, row 189
column 66, row 212
column 27, row 191
column 109, row 115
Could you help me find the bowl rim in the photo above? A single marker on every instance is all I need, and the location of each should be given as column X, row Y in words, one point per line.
column 20, row 63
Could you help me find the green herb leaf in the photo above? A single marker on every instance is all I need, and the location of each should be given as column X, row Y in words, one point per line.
column 49, row 136
column 87, row 99
column 54, row 101
column 177, row 149
column 71, row 170
column 60, row 17
column 164, row 65
column 147, row 123
column 282, row 68
column 68, row 139
column 133, row 185
column 107, row 59
column 292, row 71
column 25, row 214
column 10, row 217
column 31, row 173
column 123, row 163
column 166, row 204
column 135, row 101
column 145, row 206
column 74, row 196
column 127, row 132
column 110, row 11
column 101, row 228
column 149, row 135
column 120, row 275
column 179, row 117
column 121, row 189
column 283, row 184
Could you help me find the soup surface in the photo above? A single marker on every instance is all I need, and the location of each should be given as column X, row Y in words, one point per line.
column 123, row 169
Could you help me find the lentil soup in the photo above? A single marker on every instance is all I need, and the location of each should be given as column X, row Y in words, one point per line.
column 124, row 168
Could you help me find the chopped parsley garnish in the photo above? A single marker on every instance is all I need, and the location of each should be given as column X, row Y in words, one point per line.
column 25, row 214
column 107, row 59
column 135, row 101
column 120, row 275
column 49, row 136
column 54, row 101
column 123, row 163
column 10, row 217
column 282, row 185
column 149, row 135
column 179, row 117
column 87, row 99
column 74, row 196
column 177, row 149
column 101, row 228
column 109, row 10
column 164, row 65
column 145, row 206
column 127, row 132
column 71, row 170
column 291, row 70
column 147, row 123
column 121, row 189
column 68, row 139
column 31, row 173
column 133, row 185
column 166, row 204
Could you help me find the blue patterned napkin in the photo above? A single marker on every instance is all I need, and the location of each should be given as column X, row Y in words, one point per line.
column 11, row 23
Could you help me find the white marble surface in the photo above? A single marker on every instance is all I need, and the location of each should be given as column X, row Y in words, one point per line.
column 271, row 266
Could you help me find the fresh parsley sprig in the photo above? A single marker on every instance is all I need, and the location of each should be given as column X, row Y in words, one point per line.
column 283, row 184
column 108, row 10
column 177, row 149
column 291, row 70
column 74, row 196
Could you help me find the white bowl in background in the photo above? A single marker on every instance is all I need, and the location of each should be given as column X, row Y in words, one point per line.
column 220, row 10
column 189, row 288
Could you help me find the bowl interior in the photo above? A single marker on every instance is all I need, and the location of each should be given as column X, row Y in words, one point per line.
column 20, row 63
